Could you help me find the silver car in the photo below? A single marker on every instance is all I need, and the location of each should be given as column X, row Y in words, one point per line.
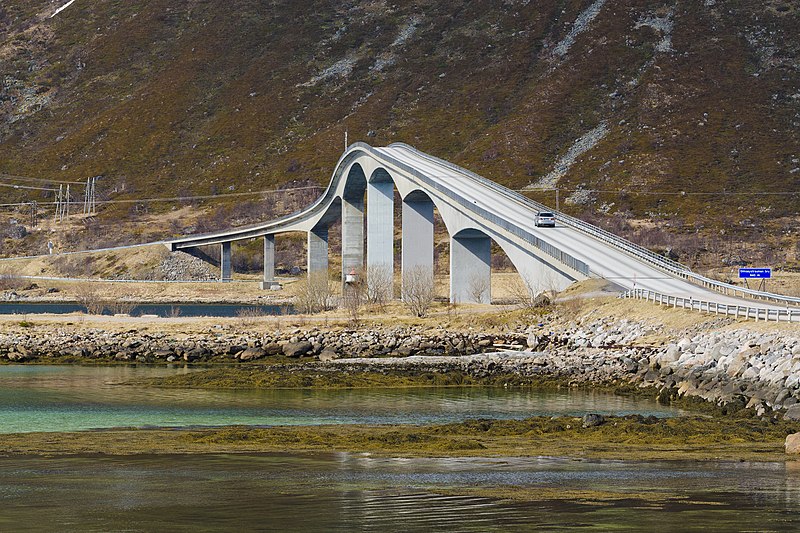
column 545, row 219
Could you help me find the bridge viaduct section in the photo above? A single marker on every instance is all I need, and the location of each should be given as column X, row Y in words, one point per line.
column 373, row 174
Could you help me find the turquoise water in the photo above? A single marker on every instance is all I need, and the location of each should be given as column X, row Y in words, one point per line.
column 163, row 310
column 355, row 492
column 69, row 398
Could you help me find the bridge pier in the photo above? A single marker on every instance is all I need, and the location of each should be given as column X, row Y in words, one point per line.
column 417, row 240
column 352, row 234
column 380, row 228
column 225, row 261
column 471, row 268
column 269, row 262
column 318, row 250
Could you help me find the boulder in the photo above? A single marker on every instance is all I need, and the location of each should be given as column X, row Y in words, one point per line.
column 328, row 354
column 252, row 353
column 296, row 349
column 532, row 341
column 793, row 444
column 592, row 420
column 273, row 348
column 792, row 413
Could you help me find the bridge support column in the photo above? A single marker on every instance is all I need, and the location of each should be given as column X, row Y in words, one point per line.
column 471, row 268
column 225, row 261
column 352, row 235
column 269, row 262
column 318, row 250
column 380, row 229
column 417, row 241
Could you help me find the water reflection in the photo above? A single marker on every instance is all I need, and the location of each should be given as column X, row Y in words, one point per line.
column 66, row 398
column 346, row 492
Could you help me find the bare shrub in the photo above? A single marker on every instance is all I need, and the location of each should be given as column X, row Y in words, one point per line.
column 88, row 296
column 249, row 316
column 353, row 297
column 532, row 293
column 380, row 285
column 418, row 290
column 479, row 288
column 119, row 307
column 315, row 293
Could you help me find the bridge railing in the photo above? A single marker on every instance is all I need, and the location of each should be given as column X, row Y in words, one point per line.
column 766, row 314
column 553, row 251
column 643, row 254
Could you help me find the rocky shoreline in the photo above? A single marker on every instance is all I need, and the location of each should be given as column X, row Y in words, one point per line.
column 728, row 367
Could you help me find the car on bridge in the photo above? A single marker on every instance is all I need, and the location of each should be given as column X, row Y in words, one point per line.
column 545, row 219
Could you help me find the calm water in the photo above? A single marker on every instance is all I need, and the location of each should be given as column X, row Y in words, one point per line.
column 162, row 310
column 68, row 398
column 346, row 492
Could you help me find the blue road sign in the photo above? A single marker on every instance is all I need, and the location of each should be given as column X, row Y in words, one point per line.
column 755, row 273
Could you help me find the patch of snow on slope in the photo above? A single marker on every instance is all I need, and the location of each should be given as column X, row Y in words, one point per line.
column 580, row 147
column 62, row 8
column 580, row 25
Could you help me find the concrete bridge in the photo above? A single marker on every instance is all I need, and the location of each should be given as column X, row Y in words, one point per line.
column 476, row 212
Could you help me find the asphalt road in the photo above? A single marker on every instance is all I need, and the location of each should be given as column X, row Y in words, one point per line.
column 604, row 260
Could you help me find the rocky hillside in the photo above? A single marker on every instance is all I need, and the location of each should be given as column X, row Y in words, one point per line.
column 660, row 117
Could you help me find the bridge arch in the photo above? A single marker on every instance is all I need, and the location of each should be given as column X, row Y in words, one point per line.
column 470, row 267
column 377, row 173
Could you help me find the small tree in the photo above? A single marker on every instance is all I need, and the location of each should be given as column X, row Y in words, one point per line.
column 530, row 293
column 87, row 295
column 418, row 289
column 380, row 285
column 479, row 288
column 315, row 293
column 353, row 296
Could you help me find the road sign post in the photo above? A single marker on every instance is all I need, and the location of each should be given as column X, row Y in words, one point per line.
column 762, row 274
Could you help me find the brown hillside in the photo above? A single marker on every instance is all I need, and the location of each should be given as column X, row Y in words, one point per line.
column 695, row 105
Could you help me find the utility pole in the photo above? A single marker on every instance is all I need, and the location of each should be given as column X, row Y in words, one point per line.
column 345, row 139
column 93, row 198
column 34, row 214
column 90, row 197
column 66, row 204
column 86, row 197
column 57, row 210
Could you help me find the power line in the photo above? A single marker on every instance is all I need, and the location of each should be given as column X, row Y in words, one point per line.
column 37, row 180
column 207, row 197
column 25, row 187
column 666, row 193
column 170, row 199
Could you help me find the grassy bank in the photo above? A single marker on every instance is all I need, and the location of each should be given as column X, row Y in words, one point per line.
column 630, row 438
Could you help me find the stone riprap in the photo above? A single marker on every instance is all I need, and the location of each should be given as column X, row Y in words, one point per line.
column 153, row 347
column 739, row 367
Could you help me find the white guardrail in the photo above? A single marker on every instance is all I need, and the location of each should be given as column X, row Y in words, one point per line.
column 643, row 254
column 737, row 311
